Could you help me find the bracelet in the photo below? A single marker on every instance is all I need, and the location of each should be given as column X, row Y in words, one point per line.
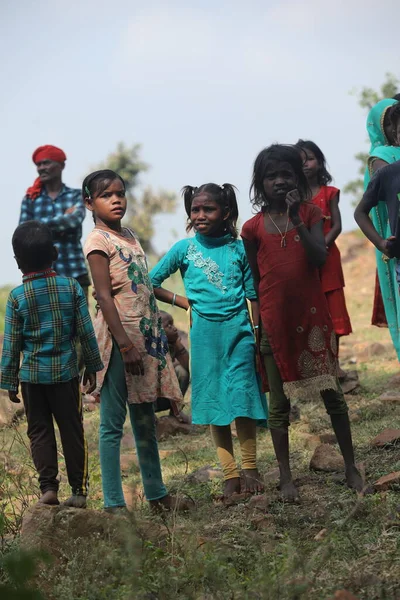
column 173, row 300
column 256, row 327
column 125, row 349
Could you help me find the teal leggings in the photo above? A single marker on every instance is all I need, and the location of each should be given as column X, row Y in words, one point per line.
column 113, row 407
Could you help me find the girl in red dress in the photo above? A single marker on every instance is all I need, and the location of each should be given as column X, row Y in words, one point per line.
column 285, row 247
column 327, row 198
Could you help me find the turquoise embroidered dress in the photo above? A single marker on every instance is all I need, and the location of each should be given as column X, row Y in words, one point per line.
column 217, row 281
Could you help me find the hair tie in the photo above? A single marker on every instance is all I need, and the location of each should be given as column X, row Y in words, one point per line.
column 87, row 191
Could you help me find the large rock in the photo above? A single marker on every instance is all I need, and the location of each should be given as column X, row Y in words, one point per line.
column 9, row 411
column 52, row 528
column 170, row 426
column 387, row 481
column 351, row 382
column 390, row 397
column 204, row 474
column 387, row 437
column 326, row 458
column 328, row 438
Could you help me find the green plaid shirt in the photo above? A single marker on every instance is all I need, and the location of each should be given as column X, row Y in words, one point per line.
column 44, row 316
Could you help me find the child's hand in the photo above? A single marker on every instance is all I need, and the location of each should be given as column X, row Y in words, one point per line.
column 70, row 210
column 293, row 203
column 90, row 380
column 388, row 246
column 13, row 396
column 133, row 362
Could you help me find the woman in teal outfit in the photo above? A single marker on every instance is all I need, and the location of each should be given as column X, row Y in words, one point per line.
column 383, row 152
column 217, row 279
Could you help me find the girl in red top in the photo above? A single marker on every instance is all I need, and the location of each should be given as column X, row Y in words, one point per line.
column 327, row 198
column 285, row 247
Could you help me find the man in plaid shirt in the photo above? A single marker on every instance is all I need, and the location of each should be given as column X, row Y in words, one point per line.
column 44, row 317
column 49, row 201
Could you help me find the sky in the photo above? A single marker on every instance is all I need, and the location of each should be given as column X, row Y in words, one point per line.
column 202, row 86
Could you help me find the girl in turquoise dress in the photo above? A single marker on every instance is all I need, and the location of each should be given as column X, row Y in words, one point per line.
column 217, row 279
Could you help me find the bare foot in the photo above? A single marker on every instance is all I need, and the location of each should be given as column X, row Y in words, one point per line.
column 76, row 501
column 49, row 497
column 171, row 503
column 289, row 492
column 231, row 486
column 252, row 482
column 355, row 481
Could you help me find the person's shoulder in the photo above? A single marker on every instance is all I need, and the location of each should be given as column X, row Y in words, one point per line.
column 250, row 226
column 182, row 245
column 331, row 191
column 16, row 292
column 97, row 239
column 310, row 211
column 72, row 191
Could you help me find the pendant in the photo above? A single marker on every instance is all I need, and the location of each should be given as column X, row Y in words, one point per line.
column 283, row 243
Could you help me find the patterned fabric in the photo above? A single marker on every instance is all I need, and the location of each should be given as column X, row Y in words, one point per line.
column 66, row 228
column 215, row 272
column 294, row 310
column 44, row 316
column 137, row 308
column 217, row 280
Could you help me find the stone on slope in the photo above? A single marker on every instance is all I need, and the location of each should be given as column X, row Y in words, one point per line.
column 326, row 458
column 386, row 437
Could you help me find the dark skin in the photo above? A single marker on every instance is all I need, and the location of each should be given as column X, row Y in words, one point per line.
column 208, row 218
column 50, row 173
column 89, row 379
column 361, row 214
column 181, row 354
column 109, row 208
column 283, row 202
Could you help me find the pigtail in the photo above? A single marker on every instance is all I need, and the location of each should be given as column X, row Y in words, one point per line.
column 230, row 202
column 188, row 192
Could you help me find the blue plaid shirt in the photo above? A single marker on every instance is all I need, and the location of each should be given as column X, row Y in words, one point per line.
column 66, row 229
column 44, row 317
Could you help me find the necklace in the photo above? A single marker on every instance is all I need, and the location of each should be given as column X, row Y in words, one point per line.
column 283, row 235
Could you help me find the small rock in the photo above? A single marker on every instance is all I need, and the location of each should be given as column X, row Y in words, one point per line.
column 328, row 438
column 395, row 380
column 351, row 382
column 387, row 437
column 390, row 397
column 204, row 474
column 263, row 522
column 386, row 482
column 259, row 502
column 321, row 535
column 309, row 440
column 353, row 360
column 271, row 476
column 344, row 595
column 355, row 416
column 165, row 453
column 326, row 458
column 170, row 426
column 294, row 414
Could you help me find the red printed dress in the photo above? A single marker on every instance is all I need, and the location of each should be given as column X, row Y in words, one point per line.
column 293, row 307
column 134, row 300
column 331, row 273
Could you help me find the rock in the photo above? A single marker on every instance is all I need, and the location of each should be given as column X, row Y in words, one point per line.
column 9, row 412
column 344, row 595
column 309, row 440
column 390, row 397
column 165, row 453
column 395, row 380
column 259, row 502
column 353, row 360
column 321, row 535
column 170, row 426
column 52, row 528
column 127, row 461
column 351, row 382
column 355, row 416
column 386, row 482
column 294, row 414
column 387, row 437
column 367, row 351
column 204, row 474
column 328, row 438
column 326, row 458
column 263, row 522
column 271, row 476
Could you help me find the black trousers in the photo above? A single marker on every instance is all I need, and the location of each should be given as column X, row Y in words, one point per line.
column 63, row 402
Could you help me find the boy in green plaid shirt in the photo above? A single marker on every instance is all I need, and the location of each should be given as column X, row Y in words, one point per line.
column 44, row 317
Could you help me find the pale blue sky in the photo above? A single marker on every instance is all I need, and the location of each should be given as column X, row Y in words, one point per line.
column 203, row 86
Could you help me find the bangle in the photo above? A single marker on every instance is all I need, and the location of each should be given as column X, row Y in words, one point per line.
column 126, row 348
column 256, row 327
column 173, row 300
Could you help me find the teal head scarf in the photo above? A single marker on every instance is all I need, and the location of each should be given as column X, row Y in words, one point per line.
column 380, row 147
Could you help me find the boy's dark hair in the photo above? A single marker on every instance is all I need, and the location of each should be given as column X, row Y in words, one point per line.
column 33, row 246
column 277, row 153
column 224, row 195
column 98, row 181
column 396, row 97
column 324, row 177
column 395, row 114
column 165, row 315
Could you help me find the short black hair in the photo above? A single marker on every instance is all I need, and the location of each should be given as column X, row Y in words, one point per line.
column 98, row 181
column 396, row 97
column 277, row 153
column 224, row 195
column 33, row 246
column 165, row 315
column 395, row 114
column 324, row 177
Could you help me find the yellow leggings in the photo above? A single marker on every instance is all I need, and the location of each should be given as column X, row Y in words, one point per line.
column 222, row 438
